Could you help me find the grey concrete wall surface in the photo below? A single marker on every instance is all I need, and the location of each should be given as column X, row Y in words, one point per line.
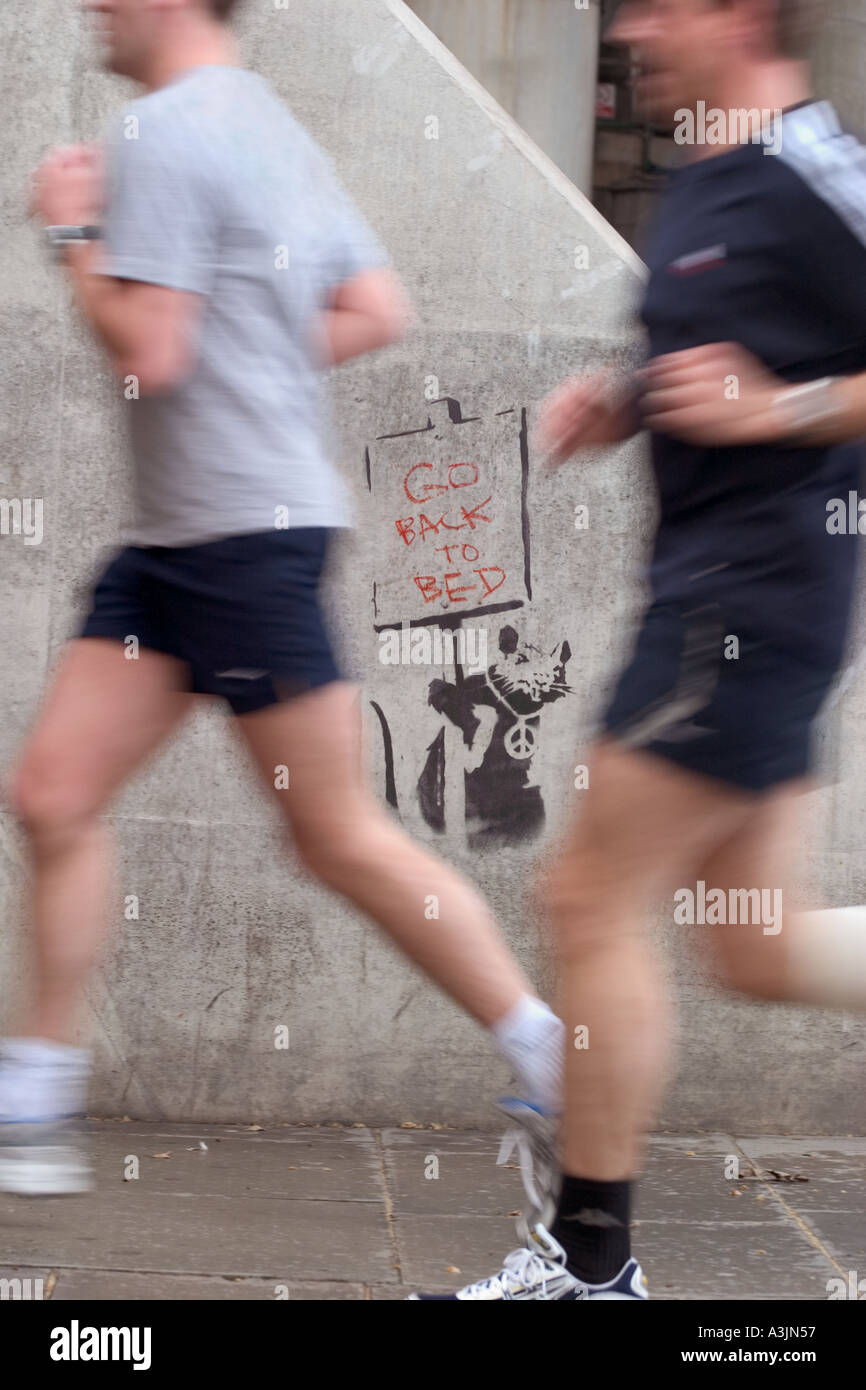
column 538, row 59
column 840, row 61
column 517, row 282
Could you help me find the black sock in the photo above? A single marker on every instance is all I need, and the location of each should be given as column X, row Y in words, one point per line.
column 592, row 1226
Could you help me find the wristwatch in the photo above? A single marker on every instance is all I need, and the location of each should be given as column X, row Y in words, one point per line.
column 806, row 408
column 68, row 236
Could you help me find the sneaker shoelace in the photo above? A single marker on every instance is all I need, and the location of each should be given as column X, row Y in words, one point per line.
column 522, row 1269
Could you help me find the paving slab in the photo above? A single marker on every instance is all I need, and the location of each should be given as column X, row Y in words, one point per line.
column 137, row 1229
column 429, row 1172
column 237, row 1209
column 444, row 1252
column 730, row 1260
column 104, row 1285
column 686, row 1179
column 316, row 1164
column 832, row 1203
column 356, row 1214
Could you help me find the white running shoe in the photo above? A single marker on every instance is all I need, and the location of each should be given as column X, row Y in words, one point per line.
column 538, row 1270
column 39, row 1098
column 38, row 1160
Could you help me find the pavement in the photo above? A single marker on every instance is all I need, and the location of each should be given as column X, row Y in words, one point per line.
column 189, row 1212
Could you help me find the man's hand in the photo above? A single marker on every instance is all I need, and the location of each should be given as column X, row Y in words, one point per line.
column 714, row 395
column 149, row 330
column 68, row 187
column 584, row 412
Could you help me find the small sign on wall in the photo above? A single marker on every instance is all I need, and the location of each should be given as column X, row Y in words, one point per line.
column 455, row 538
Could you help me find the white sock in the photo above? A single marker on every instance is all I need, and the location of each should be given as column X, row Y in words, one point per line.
column 532, row 1039
column 42, row 1080
column 827, row 958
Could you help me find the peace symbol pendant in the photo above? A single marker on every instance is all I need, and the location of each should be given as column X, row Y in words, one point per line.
column 520, row 741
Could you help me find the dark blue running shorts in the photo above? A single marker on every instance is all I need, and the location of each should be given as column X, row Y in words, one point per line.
column 741, row 711
column 242, row 612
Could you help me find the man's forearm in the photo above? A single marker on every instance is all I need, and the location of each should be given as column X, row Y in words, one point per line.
column 347, row 333
column 102, row 301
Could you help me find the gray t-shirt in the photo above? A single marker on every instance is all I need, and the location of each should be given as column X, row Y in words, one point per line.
column 215, row 188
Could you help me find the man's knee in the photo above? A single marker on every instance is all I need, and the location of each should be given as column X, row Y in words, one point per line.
column 754, row 967
column 338, row 851
column 49, row 802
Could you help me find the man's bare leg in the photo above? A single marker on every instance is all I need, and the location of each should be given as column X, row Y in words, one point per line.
column 781, row 952
column 650, row 828
column 646, row 824
column 102, row 717
column 351, row 844
column 645, row 827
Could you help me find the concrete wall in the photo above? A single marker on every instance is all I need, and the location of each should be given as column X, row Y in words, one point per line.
column 232, row 940
column 539, row 59
column 840, row 58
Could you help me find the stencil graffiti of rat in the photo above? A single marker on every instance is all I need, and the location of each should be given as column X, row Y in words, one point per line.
column 498, row 713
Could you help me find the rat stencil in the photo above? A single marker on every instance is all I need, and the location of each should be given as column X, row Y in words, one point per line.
column 498, row 713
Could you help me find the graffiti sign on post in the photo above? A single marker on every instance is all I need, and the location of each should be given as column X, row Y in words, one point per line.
column 452, row 500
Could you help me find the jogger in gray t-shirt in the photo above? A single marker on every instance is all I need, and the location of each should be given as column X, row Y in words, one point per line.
column 232, row 268
column 215, row 189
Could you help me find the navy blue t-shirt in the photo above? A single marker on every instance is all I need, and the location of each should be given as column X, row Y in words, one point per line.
column 769, row 251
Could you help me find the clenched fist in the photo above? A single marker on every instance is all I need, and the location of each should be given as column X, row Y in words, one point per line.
column 68, row 187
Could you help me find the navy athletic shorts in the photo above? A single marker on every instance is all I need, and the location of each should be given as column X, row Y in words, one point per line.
column 242, row 612
column 741, row 711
